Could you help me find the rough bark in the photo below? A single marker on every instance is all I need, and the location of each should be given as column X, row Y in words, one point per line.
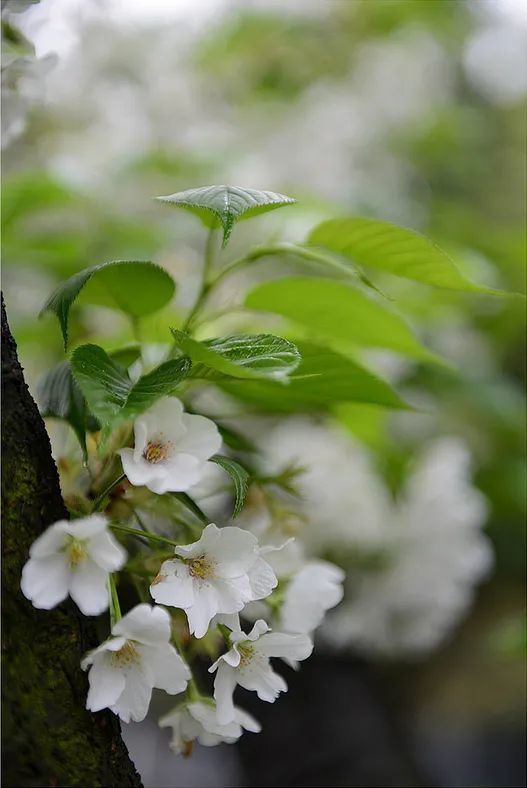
column 48, row 738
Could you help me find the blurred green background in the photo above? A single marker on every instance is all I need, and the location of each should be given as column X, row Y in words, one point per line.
column 406, row 110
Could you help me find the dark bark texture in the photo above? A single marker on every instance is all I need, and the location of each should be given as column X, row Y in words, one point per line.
column 48, row 737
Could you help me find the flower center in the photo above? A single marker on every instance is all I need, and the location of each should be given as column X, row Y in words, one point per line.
column 246, row 652
column 76, row 551
column 126, row 655
column 156, row 451
column 201, row 567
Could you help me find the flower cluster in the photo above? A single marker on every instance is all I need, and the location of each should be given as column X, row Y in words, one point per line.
column 199, row 590
column 413, row 563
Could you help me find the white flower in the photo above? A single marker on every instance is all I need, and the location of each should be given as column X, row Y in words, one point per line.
column 198, row 720
column 316, row 588
column 344, row 501
column 436, row 554
column 72, row 558
column 211, row 576
column 126, row 667
column 171, row 448
column 247, row 664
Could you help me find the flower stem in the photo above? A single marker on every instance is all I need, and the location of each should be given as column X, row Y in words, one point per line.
column 192, row 506
column 115, row 608
column 225, row 632
column 269, row 250
column 101, row 499
column 206, row 284
column 193, row 692
column 143, row 534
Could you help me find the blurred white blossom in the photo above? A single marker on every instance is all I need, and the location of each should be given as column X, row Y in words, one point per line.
column 412, row 564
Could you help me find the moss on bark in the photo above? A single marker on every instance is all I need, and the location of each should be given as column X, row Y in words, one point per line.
column 48, row 737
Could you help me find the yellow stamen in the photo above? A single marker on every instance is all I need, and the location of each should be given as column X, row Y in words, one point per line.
column 156, row 451
column 76, row 551
column 201, row 567
column 126, row 655
column 246, row 651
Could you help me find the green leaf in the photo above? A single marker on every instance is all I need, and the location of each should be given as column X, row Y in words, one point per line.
column 61, row 398
column 190, row 504
column 160, row 382
column 339, row 311
column 242, row 356
column 226, row 205
column 137, row 287
column 322, row 379
column 126, row 356
column 110, row 393
column 234, row 439
column 104, row 382
column 239, row 476
column 394, row 249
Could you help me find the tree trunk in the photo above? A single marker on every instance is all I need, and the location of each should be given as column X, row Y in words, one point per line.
column 48, row 737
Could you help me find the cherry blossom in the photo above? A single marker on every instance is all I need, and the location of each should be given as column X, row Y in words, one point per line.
column 316, row 588
column 171, row 448
column 217, row 574
column 138, row 657
column 73, row 557
column 199, row 720
column 247, row 664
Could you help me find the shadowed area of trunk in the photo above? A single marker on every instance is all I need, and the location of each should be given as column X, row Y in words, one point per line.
column 48, row 737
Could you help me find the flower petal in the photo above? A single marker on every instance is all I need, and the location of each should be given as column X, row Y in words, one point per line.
column 231, row 620
column 259, row 628
column 316, row 588
column 202, row 438
column 106, row 685
column 262, row 579
column 246, row 720
column 278, row 644
column 209, row 537
column 173, row 585
column 51, row 541
column 234, row 550
column 134, row 701
column 232, row 658
column 145, row 624
column 86, row 527
column 259, row 676
column 163, row 420
column 232, row 594
column 106, row 551
column 111, row 644
column 140, row 439
column 139, row 472
column 89, row 588
column 45, row 581
column 171, row 674
column 176, row 474
column 203, row 609
column 224, row 685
